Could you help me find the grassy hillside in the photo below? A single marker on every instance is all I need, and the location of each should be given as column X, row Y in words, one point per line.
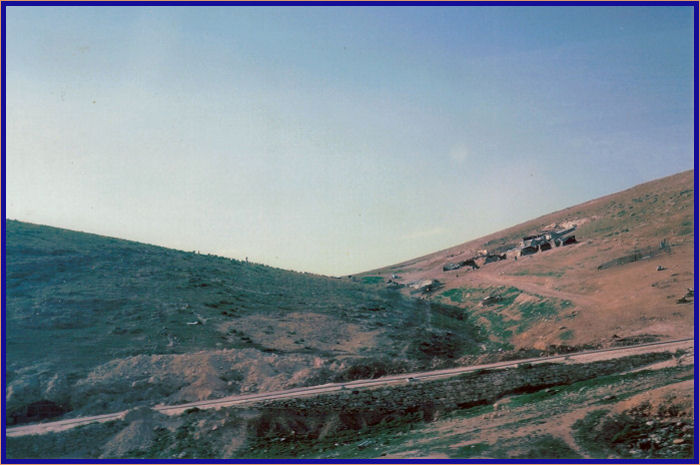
column 98, row 324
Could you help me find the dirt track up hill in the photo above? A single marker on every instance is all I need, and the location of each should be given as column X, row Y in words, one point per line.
column 645, row 238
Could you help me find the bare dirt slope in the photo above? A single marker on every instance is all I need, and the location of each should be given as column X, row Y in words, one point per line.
column 579, row 294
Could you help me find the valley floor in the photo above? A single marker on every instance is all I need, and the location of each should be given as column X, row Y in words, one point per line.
column 637, row 415
column 645, row 412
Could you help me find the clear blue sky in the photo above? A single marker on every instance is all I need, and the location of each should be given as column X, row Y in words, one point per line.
column 337, row 139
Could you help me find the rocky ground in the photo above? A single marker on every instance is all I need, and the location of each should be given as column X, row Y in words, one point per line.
column 97, row 325
column 642, row 413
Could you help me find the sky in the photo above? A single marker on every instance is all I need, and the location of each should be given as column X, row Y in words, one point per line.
column 336, row 140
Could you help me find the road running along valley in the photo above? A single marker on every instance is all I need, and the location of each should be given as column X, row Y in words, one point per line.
column 578, row 357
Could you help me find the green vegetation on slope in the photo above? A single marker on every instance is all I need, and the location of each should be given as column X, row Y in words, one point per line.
column 77, row 302
column 496, row 309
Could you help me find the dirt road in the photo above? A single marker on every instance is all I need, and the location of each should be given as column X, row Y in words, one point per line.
column 581, row 357
column 493, row 279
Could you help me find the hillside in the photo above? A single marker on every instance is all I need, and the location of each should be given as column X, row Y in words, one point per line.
column 602, row 290
column 97, row 324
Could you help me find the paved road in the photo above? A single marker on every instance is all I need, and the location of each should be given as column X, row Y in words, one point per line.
column 579, row 357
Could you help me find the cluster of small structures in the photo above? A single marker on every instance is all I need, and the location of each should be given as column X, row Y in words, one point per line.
column 471, row 262
column 546, row 239
column 540, row 242
column 456, row 266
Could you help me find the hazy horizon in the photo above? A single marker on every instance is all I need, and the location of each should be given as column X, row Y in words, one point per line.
column 205, row 252
column 337, row 140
